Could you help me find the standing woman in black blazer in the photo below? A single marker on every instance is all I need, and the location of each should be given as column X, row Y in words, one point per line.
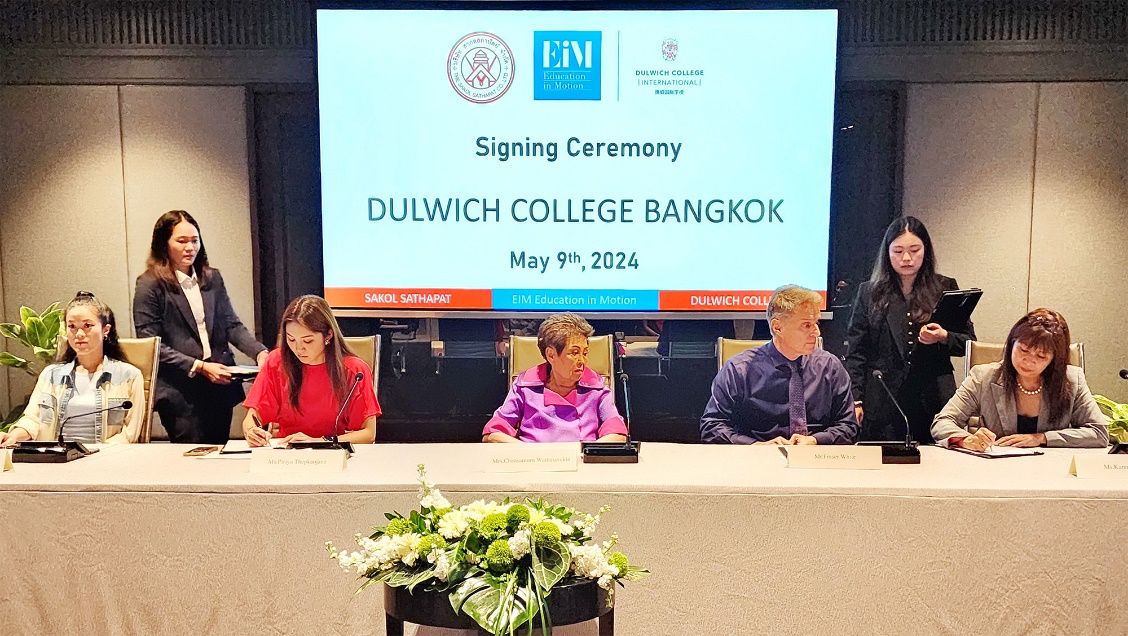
column 889, row 331
column 182, row 299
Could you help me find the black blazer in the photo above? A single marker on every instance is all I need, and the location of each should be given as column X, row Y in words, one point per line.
column 161, row 311
column 920, row 375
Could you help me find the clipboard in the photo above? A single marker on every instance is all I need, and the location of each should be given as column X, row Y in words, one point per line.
column 998, row 453
column 953, row 310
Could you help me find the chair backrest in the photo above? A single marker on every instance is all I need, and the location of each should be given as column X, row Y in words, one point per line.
column 986, row 352
column 145, row 354
column 524, row 355
column 729, row 347
column 367, row 348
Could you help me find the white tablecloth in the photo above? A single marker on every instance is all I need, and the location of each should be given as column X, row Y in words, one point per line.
column 138, row 539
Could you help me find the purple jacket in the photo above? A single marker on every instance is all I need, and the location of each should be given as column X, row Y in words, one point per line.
column 532, row 413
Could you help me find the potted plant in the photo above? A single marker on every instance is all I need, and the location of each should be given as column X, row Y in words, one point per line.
column 39, row 332
column 1117, row 418
column 496, row 562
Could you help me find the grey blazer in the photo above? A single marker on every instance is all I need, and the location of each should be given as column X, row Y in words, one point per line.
column 982, row 395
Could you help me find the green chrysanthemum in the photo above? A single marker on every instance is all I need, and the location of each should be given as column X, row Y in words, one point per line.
column 442, row 511
column 517, row 515
column 619, row 560
column 430, row 542
column 398, row 526
column 493, row 526
column 499, row 558
column 546, row 533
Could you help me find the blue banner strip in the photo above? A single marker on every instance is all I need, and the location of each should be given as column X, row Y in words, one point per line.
column 576, row 299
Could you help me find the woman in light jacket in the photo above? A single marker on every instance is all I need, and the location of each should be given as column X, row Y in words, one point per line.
column 91, row 377
column 1032, row 398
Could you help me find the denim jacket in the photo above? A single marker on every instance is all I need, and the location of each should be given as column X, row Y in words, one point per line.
column 115, row 382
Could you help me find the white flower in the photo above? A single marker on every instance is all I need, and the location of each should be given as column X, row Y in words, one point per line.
column 589, row 561
column 454, row 525
column 434, row 500
column 565, row 529
column 477, row 510
column 605, row 582
column 536, row 516
column 442, row 564
column 519, row 544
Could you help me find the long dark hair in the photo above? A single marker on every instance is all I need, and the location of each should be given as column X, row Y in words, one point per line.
column 158, row 263
column 313, row 313
column 1043, row 329
column 887, row 283
column 110, row 345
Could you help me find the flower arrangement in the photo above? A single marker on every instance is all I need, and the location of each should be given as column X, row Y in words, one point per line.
column 498, row 561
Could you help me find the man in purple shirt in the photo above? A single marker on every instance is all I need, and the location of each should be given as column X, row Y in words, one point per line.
column 787, row 391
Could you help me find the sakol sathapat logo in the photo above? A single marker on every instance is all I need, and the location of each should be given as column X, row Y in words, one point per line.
column 480, row 67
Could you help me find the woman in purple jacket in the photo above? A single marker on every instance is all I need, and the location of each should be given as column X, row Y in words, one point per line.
column 561, row 400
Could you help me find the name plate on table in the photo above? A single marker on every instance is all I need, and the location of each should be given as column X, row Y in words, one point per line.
column 1088, row 466
column 5, row 459
column 531, row 458
column 297, row 462
column 815, row 456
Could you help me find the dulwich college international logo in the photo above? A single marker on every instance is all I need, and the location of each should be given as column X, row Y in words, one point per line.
column 480, row 67
column 669, row 49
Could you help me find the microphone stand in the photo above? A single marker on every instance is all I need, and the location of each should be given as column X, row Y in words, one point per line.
column 614, row 452
column 905, row 452
column 334, row 443
column 60, row 451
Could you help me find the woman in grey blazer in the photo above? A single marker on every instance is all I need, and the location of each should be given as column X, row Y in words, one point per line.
column 1032, row 398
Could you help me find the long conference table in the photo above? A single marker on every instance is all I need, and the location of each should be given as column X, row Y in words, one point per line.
column 141, row 540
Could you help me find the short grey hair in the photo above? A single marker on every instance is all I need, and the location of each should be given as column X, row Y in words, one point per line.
column 787, row 299
column 558, row 329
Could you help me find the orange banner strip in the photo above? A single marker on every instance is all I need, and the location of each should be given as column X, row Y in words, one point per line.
column 408, row 298
column 718, row 300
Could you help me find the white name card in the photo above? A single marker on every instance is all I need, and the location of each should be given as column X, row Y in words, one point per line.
column 5, row 459
column 1095, row 465
column 298, row 461
column 815, row 456
column 531, row 458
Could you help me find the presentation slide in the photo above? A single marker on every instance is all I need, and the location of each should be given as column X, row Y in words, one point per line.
column 593, row 161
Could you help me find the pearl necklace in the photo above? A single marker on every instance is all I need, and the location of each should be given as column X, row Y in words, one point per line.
column 1034, row 392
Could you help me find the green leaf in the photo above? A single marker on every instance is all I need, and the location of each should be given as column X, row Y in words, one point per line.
column 499, row 604
column 10, row 330
column 550, row 564
column 10, row 360
column 55, row 307
column 469, row 586
column 409, row 579
column 35, row 332
column 634, row 573
column 26, row 313
column 52, row 324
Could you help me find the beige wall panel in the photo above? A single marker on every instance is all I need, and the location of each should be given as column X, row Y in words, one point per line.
column 62, row 223
column 1080, row 226
column 968, row 175
column 186, row 149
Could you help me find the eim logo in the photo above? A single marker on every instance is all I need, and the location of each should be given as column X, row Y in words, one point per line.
column 569, row 65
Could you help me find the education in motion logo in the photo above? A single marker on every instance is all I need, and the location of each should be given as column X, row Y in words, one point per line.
column 568, row 65
column 480, row 67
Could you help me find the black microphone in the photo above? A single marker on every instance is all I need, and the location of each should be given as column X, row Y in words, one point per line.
column 896, row 452
column 614, row 452
column 626, row 379
column 1124, row 374
column 124, row 406
column 344, row 405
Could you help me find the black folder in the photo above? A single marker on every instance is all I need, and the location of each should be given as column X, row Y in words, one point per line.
column 953, row 310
